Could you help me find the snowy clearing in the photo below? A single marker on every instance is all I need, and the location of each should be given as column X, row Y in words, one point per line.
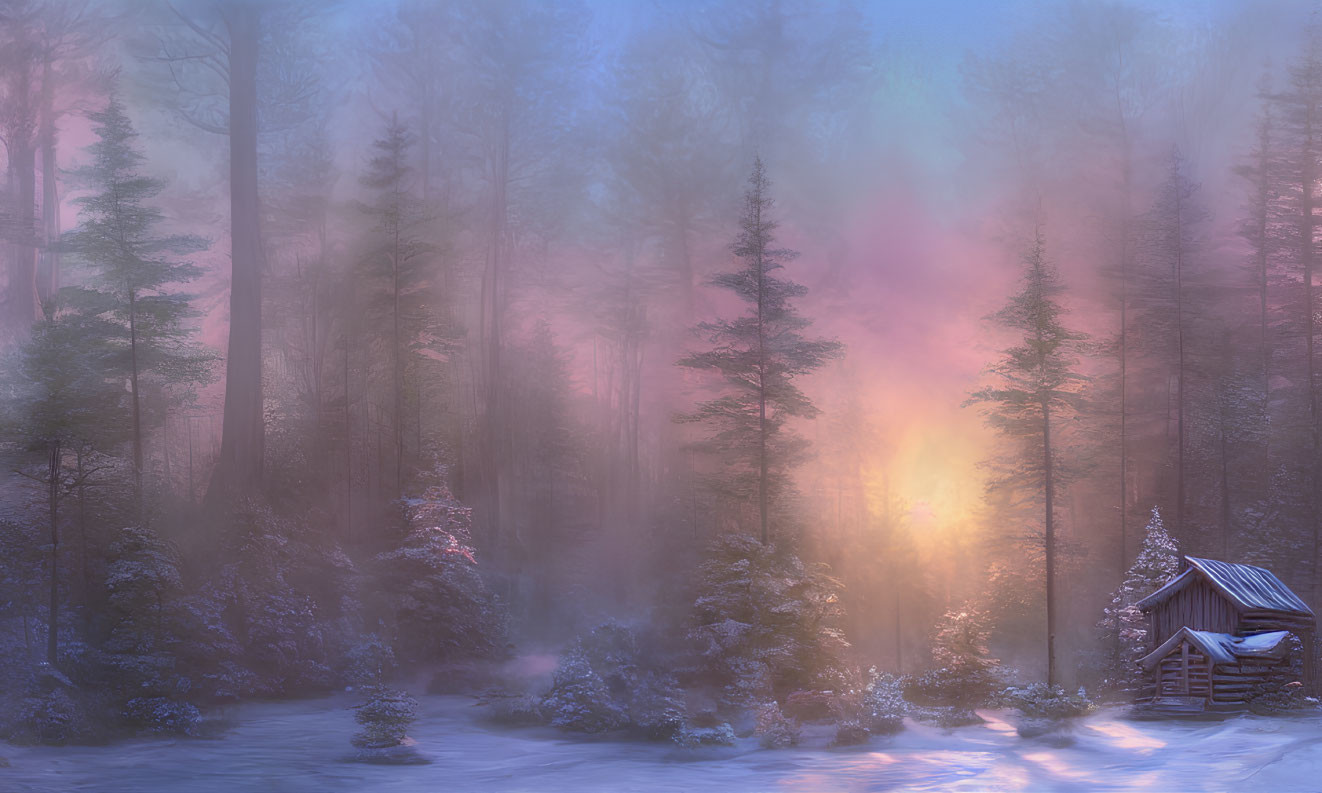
column 298, row 746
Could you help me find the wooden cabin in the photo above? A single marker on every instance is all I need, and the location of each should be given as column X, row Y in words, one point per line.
column 1220, row 633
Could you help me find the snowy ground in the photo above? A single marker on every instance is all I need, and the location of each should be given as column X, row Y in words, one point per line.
column 296, row 748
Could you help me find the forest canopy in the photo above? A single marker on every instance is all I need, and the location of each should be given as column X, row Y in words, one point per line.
column 746, row 358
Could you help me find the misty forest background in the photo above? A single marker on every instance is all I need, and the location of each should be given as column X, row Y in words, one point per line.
column 443, row 331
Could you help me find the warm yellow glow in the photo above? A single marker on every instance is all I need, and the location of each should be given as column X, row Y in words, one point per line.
column 930, row 468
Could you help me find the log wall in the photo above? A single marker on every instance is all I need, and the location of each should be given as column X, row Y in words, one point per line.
column 1198, row 606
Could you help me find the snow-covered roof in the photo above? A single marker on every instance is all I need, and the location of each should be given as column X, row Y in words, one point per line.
column 1223, row 648
column 1246, row 586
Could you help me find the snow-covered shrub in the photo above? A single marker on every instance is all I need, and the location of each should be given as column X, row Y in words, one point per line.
column 369, row 661
column 138, row 656
column 764, row 623
column 161, row 715
column 600, row 685
column 579, row 699
column 950, row 718
column 1041, row 700
column 435, row 600
column 813, row 705
column 385, row 718
column 883, row 706
column 655, row 707
column 515, row 711
column 56, row 715
column 693, row 736
column 50, row 718
column 1123, row 628
column 254, row 627
column 966, row 676
column 850, row 733
column 773, row 729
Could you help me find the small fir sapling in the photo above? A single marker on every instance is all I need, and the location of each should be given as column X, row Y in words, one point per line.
column 433, row 595
column 385, row 718
column 773, row 729
column 883, row 705
column 579, row 700
column 966, row 675
column 1123, row 627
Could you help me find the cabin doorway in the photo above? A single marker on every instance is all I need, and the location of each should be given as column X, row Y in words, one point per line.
column 1184, row 673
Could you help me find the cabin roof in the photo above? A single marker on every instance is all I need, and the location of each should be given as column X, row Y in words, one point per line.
column 1223, row 648
column 1246, row 586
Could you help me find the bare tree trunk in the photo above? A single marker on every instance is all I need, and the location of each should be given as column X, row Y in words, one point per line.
column 348, row 448
column 137, row 411
column 53, row 473
column 239, row 468
column 22, row 304
column 396, row 364
column 1179, row 350
column 1049, row 542
column 1307, row 239
column 495, row 432
column 50, row 201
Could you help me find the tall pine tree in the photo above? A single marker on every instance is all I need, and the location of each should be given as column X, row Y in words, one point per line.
column 394, row 267
column 136, row 271
column 1036, row 387
column 759, row 354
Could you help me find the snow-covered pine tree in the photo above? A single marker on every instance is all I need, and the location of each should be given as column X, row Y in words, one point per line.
column 1158, row 561
column 965, row 675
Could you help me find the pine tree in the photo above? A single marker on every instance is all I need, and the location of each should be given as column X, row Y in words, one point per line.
column 394, row 268
column 1175, row 229
column 759, row 354
column 1299, row 110
column 60, row 401
column 135, row 271
column 965, row 673
column 1158, row 561
column 1037, row 388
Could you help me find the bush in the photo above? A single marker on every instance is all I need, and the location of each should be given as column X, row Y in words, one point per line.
column 957, row 717
column 162, row 716
column 883, row 706
column 515, row 712
column 965, row 677
column 599, row 686
column 432, row 591
column 385, row 718
column 692, row 736
column 55, row 717
column 579, row 700
column 850, row 733
column 764, row 623
column 369, row 661
column 773, row 729
column 1041, row 700
column 655, row 708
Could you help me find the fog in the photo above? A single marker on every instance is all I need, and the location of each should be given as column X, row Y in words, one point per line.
column 358, row 339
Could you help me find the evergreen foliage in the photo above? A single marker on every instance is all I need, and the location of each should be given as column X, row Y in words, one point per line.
column 966, row 675
column 764, row 623
column 135, row 269
column 1036, row 385
column 431, row 595
column 385, row 718
column 1123, row 626
column 759, row 355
